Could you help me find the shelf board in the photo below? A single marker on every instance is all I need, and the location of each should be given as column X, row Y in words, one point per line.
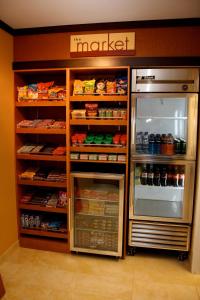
column 60, row 210
column 98, row 149
column 96, row 215
column 40, row 103
column 103, row 122
column 98, row 98
column 158, row 157
column 62, row 184
column 55, row 234
column 30, row 156
column 98, row 161
column 40, row 131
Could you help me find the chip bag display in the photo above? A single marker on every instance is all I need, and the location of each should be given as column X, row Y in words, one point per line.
column 78, row 87
column 89, row 86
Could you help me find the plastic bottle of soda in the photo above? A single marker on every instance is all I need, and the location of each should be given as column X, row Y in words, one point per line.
column 152, row 144
column 150, row 175
column 156, row 179
column 143, row 176
column 182, row 146
column 169, row 175
column 163, row 144
column 157, row 144
column 163, row 176
column 169, row 144
column 139, row 142
column 177, row 146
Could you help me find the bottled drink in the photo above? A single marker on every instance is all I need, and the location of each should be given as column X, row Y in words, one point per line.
column 143, row 176
column 163, row 176
column 150, row 175
column 175, row 176
column 177, row 146
column 157, row 144
column 145, row 142
column 139, row 142
column 152, row 144
column 163, row 144
column 156, row 179
column 169, row 176
column 137, row 174
column 181, row 179
column 182, row 146
column 169, row 144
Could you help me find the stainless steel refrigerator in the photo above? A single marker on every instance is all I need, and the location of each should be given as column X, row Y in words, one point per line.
column 164, row 107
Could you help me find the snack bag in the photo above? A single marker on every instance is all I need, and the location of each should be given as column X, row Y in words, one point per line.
column 89, row 86
column 100, row 87
column 43, row 89
column 32, row 91
column 122, row 85
column 78, row 87
column 111, row 87
column 22, row 92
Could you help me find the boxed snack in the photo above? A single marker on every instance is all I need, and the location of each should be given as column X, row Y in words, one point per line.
column 121, row 157
column 84, row 156
column 103, row 156
column 78, row 113
column 93, row 156
column 112, row 157
column 74, row 156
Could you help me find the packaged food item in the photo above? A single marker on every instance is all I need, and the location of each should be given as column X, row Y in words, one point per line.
column 78, row 87
column 112, row 157
column 74, row 155
column 122, row 85
column 60, row 150
column 111, row 87
column 22, row 93
column 78, row 113
column 103, row 157
column 108, row 139
column 62, row 199
column 102, row 113
column 93, row 156
column 116, row 139
column 91, row 109
column 100, row 86
column 84, row 156
column 42, row 89
column 121, row 157
column 32, row 91
column 123, row 114
column 116, row 113
column 109, row 113
column 98, row 139
column 89, row 86
column 56, row 93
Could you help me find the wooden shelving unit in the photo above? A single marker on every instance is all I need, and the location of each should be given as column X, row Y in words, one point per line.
column 40, row 109
column 97, row 125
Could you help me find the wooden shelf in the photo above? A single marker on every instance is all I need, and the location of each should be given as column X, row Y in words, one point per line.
column 62, row 184
column 98, row 149
column 102, row 122
column 40, row 131
column 40, row 103
column 56, row 234
column 58, row 210
column 98, row 161
column 98, row 98
column 41, row 157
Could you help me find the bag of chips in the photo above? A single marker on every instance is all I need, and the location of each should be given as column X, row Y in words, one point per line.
column 22, row 93
column 111, row 87
column 89, row 86
column 78, row 87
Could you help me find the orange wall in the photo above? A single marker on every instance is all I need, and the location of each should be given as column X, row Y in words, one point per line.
column 8, row 223
column 150, row 42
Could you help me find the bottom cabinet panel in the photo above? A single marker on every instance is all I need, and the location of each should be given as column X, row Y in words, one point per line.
column 159, row 235
column 97, row 213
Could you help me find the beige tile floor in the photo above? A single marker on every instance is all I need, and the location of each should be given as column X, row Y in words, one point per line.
column 39, row 275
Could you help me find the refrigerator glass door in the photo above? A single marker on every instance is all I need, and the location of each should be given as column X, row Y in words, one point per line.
column 163, row 124
column 97, row 213
column 162, row 190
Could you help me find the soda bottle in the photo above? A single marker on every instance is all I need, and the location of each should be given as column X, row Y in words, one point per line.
column 151, row 144
column 150, row 175
column 163, row 144
column 163, row 176
column 175, row 176
column 145, row 142
column 169, row 144
column 169, row 176
column 181, row 179
column 177, row 146
column 156, row 179
column 157, row 144
column 143, row 176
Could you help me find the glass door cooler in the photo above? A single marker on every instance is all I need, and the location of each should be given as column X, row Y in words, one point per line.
column 163, row 152
column 97, row 213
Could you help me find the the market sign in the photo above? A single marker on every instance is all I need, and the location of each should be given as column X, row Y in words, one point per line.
column 102, row 44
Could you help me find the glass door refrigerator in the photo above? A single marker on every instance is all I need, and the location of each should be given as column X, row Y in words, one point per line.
column 97, row 213
column 163, row 154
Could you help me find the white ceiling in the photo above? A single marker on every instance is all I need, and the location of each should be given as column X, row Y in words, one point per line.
column 40, row 13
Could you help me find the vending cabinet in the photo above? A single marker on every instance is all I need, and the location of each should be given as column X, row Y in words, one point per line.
column 97, row 213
